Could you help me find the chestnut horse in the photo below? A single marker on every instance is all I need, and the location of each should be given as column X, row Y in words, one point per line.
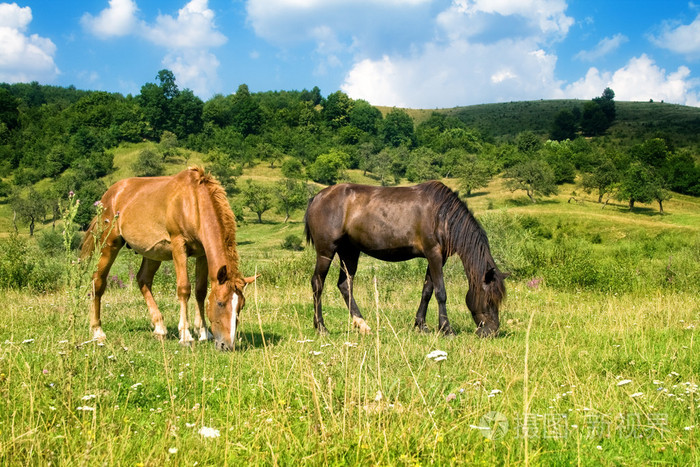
column 171, row 218
column 397, row 224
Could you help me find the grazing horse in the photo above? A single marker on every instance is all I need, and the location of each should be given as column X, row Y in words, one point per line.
column 171, row 218
column 397, row 224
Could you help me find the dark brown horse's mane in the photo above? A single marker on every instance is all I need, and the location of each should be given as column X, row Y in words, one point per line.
column 223, row 212
column 463, row 235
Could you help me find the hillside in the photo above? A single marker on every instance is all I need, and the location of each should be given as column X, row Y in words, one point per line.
column 635, row 121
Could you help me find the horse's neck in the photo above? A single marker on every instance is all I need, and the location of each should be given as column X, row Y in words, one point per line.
column 212, row 236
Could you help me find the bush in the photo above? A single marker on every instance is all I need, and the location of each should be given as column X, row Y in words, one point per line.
column 292, row 243
column 22, row 265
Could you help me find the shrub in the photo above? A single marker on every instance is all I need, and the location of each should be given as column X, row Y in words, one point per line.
column 292, row 242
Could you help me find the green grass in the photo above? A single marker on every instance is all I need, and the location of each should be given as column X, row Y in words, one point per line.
column 594, row 302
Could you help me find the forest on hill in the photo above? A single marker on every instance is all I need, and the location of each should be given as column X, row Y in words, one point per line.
column 56, row 140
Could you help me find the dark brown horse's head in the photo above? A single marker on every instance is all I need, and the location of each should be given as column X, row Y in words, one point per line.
column 226, row 301
column 484, row 299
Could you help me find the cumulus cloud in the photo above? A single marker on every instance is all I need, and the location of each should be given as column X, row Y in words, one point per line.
column 484, row 51
column 187, row 38
column 23, row 57
column 119, row 19
column 682, row 39
column 604, row 47
column 639, row 80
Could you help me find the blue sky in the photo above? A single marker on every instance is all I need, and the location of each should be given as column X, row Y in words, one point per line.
column 404, row 53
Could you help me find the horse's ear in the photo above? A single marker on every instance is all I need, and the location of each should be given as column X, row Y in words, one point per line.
column 249, row 280
column 490, row 276
column 222, row 275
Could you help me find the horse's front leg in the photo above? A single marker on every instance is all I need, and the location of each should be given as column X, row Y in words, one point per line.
column 184, row 289
column 435, row 263
column 144, row 278
column 200, row 293
column 99, row 284
column 420, row 323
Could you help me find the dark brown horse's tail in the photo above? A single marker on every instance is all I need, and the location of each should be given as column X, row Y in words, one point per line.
column 87, row 246
column 307, row 232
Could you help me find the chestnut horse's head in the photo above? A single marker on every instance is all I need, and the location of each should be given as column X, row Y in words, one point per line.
column 226, row 301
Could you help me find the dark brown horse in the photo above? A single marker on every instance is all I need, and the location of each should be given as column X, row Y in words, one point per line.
column 169, row 219
column 396, row 224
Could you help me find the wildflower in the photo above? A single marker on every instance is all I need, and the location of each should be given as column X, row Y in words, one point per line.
column 207, row 432
column 45, row 371
column 305, row 341
column 89, row 397
column 534, row 283
column 637, row 394
column 437, row 355
column 172, row 450
column 379, row 396
column 189, row 425
column 27, row 341
column 136, row 386
column 86, row 409
column 624, row 381
column 450, row 397
column 314, row 352
column 351, row 344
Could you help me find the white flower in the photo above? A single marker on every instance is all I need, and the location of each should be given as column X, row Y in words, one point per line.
column 86, row 408
column 27, row 341
column 88, row 397
column 496, row 391
column 189, row 425
column 207, row 432
column 378, row 397
column 440, row 358
column 305, row 341
column 637, row 394
column 351, row 344
column 172, row 450
column 435, row 354
column 314, row 352
column 624, row 381
column 136, row 386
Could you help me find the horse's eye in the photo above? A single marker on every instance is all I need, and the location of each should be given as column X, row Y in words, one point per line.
column 220, row 304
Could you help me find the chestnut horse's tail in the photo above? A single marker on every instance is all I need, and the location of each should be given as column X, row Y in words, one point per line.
column 307, row 232
column 87, row 246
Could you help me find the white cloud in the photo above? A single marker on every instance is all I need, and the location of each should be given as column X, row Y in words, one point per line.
column 23, row 57
column 640, row 80
column 187, row 38
column 603, row 48
column 682, row 39
column 119, row 19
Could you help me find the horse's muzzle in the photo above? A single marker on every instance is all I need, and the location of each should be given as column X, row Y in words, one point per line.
column 223, row 346
column 485, row 330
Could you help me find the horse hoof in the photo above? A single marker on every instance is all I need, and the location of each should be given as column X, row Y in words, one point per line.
column 321, row 330
column 447, row 331
column 361, row 325
column 99, row 335
column 205, row 335
column 422, row 328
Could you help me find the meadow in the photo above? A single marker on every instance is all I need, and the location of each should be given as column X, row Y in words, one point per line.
column 595, row 362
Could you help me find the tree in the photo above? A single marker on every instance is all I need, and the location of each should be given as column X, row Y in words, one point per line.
column 473, row 173
column 638, row 184
column 329, row 167
column 422, row 165
column 534, row 176
column 602, row 180
column 29, row 209
column 148, row 164
column 224, row 169
column 246, row 115
column 398, row 129
column 365, row 117
column 598, row 114
column 292, row 194
column 292, row 168
column 168, row 144
column 564, row 126
column 257, row 198
column 336, row 109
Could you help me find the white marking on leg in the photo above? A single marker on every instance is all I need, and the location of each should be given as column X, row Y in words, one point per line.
column 160, row 329
column 186, row 337
column 361, row 324
column 99, row 335
column 234, row 318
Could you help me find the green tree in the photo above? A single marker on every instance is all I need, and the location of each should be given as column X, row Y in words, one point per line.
column 336, row 109
column 246, row 115
column 423, row 165
column 257, row 198
column 398, row 129
column 291, row 194
column 329, row 167
column 473, row 173
column 602, row 180
column 292, row 168
column 638, row 184
column 168, row 145
column 365, row 117
column 224, row 169
column 534, row 176
column 30, row 208
column 564, row 126
column 148, row 163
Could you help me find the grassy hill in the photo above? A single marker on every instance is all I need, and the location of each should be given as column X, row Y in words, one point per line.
column 635, row 121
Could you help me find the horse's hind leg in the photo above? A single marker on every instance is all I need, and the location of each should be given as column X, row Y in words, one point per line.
column 99, row 284
column 420, row 324
column 348, row 268
column 145, row 280
column 323, row 263
column 200, row 293
column 435, row 264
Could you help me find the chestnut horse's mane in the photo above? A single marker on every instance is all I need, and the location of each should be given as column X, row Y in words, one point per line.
column 223, row 212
